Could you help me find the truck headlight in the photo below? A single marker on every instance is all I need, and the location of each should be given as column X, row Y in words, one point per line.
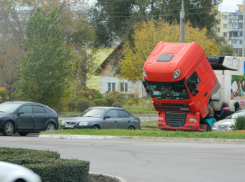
column 193, row 120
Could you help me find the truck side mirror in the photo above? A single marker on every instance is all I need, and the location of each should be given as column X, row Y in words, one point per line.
column 146, row 87
column 195, row 92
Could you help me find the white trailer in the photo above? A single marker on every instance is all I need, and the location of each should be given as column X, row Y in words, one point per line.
column 227, row 69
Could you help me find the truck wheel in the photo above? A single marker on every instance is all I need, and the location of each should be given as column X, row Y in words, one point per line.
column 208, row 128
column 8, row 128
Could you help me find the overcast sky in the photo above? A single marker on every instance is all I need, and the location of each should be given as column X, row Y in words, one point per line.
column 226, row 6
column 230, row 5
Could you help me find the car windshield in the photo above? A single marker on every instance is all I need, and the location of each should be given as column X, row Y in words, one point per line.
column 9, row 107
column 94, row 112
column 166, row 90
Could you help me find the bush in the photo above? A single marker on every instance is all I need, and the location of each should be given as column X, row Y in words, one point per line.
column 71, row 106
column 239, row 123
column 100, row 102
column 97, row 95
column 92, row 104
column 82, row 105
column 47, row 164
column 117, row 104
column 110, row 101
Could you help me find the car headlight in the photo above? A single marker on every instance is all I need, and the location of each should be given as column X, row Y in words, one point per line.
column 63, row 122
column 83, row 123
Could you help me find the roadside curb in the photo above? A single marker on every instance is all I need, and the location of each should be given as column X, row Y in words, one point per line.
column 100, row 137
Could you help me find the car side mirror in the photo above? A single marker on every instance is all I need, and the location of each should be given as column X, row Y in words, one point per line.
column 106, row 117
column 19, row 113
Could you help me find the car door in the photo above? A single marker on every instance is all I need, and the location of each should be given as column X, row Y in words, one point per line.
column 110, row 119
column 26, row 119
column 41, row 117
column 123, row 121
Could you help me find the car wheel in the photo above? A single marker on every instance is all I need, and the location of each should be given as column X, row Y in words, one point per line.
column 96, row 127
column 50, row 127
column 131, row 128
column 8, row 128
column 22, row 133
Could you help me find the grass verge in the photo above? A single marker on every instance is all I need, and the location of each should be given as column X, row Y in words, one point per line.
column 150, row 133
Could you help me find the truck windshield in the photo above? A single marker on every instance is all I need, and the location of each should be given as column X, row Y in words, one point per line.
column 166, row 90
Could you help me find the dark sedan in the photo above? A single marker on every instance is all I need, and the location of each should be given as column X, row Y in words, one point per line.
column 102, row 118
column 26, row 117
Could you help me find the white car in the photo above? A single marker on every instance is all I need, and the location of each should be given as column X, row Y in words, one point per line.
column 225, row 124
column 15, row 173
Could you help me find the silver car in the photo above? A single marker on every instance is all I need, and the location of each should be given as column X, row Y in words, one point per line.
column 225, row 124
column 102, row 118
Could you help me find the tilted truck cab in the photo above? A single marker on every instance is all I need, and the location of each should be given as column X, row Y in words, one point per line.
column 180, row 80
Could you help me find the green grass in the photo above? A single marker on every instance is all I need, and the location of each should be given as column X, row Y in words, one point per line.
column 149, row 133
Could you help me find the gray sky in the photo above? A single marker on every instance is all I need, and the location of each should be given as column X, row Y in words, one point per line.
column 230, row 5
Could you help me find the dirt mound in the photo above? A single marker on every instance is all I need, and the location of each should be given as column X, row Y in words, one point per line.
column 101, row 178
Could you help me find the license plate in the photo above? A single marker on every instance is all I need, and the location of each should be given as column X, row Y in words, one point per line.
column 69, row 126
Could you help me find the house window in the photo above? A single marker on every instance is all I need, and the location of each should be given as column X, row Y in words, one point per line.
column 225, row 26
column 225, row 34
column 218, row 30
column 232, row 42
column 235, row 42
column 240, row 41
column 225, row 17
column 241, row 34
column 218, row 21
column 123, row 87
column 111, row 86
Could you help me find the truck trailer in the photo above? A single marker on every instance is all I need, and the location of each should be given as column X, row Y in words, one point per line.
column 182, row 81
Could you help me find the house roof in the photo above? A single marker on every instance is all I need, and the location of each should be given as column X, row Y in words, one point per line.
column 114, row 53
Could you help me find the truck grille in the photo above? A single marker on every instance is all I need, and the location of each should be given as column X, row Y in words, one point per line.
column 175, row 119
column 172, row 107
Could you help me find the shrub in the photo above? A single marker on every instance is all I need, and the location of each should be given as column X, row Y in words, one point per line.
column 82, row 105
column 71, row 106
column 47, row 164
column 97, row 95
column 92, row 104
column 100, row 102
column 110, row 101
column 239, row 123
column 117, row 104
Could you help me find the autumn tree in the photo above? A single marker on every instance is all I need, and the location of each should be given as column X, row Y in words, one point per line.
column 148, row 34
column 117, row 18
column 227, row 50
column 44, row 68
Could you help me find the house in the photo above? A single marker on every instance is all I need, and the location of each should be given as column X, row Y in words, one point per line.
column 108, row 80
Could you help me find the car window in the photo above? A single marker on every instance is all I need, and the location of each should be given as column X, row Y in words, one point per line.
column 111, row 113
column 122, row 114
column 26, row 109
column 94, row 112
column 38, row 109
column 47, row 110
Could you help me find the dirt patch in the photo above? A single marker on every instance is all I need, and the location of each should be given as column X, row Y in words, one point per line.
column 101, row 178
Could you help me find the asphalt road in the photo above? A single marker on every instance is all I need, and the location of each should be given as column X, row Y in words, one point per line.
column 148, row 161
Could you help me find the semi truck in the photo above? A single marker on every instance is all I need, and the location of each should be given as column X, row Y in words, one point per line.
column 182, row 81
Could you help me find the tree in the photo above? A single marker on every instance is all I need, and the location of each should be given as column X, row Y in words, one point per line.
column 227, row 50
column 148, row 34
column 44, row 68
column 117, row 18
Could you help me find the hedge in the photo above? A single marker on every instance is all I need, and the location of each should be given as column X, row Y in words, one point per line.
column 47, row 164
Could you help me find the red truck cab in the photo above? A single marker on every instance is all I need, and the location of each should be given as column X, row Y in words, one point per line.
column 180, row 80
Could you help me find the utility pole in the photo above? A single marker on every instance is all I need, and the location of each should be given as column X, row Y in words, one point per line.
column 182, row 23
